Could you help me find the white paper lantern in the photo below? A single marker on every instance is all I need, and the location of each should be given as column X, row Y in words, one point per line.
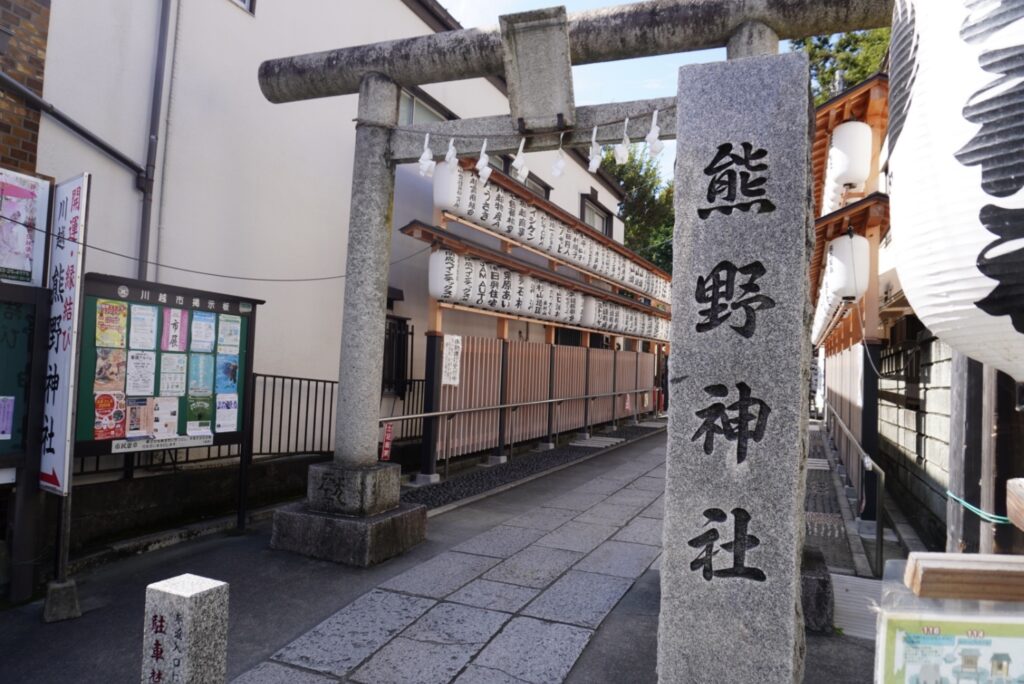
column 850, row 153
column 956, row 161
column 847, row 266
column 443, row 274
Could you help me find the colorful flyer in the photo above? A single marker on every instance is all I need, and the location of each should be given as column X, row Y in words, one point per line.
column 229, row 334
column 142, row 331
column 110, row 415
column 165, row 417
column 227, row 412
column 140, row 417
column 200, row 375
column 173, row 379
column 6, row 417
column 940, row 647
column 204, row 331
column 111, row 323
column 200, row 415
column 110, row 370
column 141, row 372
column 227, row 373
column 175, row 333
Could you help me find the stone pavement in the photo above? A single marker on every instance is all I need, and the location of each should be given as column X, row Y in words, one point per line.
column 278, row 599
column 516, row 603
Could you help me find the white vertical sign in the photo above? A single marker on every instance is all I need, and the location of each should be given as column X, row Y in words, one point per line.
column 64, row 280
column 451, row 360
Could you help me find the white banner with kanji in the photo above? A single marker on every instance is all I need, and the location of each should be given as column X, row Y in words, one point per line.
column 64, row 278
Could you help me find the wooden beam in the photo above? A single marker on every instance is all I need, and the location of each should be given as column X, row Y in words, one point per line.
column 1015, row 502
column 549, row 334
column 978, row 577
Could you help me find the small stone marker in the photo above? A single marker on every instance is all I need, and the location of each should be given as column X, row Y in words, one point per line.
column 185, row 631
column 730, row 607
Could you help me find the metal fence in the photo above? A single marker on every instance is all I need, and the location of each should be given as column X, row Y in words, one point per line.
column 868, row 464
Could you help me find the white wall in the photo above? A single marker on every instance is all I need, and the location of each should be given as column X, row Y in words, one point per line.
column 245, row 187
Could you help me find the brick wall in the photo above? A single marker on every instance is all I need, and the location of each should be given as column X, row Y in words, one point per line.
column 24, row 61
column 913, row 432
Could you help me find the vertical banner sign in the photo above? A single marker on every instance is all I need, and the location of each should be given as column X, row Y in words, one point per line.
column 65, row 279
column 451, row 360
column 734, row 525
column 389, row 435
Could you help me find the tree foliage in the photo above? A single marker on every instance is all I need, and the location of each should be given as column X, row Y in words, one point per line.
column 646, row 207
column 857, row 54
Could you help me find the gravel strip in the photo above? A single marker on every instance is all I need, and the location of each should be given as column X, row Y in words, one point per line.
column 521, row 466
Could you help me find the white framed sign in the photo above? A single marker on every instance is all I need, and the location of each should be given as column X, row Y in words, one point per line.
column 64, row 280
column 451, row 360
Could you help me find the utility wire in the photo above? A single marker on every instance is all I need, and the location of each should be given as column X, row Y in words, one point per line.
column 198, row 272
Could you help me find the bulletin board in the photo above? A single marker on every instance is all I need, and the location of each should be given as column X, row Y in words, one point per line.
column 161, row 367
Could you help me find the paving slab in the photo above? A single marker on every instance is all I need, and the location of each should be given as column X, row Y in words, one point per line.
column 608, row 514
column 633, row 497
column 434, row 648
column 579, row 598
column 600, row 485
column 655, row 510
column 441, row 575
column 534, row 566
column 653, row 484
column 577, row 536
column 474, row 674
column 552, row 649
column 641, row 531
column 658, row 471
column 275, row 673
column 621, row 559
column 341, row 642
column 501, row 541
column 494, row 595
column 576, row 501
column 545, row 519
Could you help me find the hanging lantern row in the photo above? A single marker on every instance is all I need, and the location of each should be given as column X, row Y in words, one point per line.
column 847, row 270
column 849, row 163
column 466, row 195
column 477, row 283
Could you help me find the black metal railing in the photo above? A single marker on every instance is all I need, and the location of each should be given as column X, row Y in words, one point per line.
column 293, row 415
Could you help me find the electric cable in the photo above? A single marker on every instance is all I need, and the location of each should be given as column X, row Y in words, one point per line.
column 104, row 250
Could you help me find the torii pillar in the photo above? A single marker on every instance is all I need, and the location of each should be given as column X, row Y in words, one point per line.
column 352, row 512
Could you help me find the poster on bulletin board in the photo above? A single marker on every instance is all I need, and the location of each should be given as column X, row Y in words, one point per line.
column 161, row 367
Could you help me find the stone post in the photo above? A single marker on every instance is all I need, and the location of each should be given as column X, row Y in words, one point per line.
column 185, row 631
column 752, row 39
column 734, row 524
column 352, row 512
column 366, row 276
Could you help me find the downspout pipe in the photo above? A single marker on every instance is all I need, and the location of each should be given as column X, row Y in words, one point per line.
column 12, row 86
column 152, row 148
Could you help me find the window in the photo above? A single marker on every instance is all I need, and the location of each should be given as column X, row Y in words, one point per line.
column 538, row 186
column 248, row 5
column 594, row 214
column 413, row 110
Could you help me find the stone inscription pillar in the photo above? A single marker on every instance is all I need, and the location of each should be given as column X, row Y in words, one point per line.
column 734, row 521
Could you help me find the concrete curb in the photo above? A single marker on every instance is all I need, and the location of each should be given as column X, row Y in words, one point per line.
column 509, row 485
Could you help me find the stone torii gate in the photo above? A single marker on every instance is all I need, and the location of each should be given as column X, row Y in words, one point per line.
column 352, row 513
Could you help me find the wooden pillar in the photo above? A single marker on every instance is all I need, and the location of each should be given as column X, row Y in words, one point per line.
column 962, row 526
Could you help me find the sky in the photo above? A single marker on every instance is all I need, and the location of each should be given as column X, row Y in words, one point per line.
column 634, row 79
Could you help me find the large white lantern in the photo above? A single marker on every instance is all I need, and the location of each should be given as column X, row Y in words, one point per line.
column 956, row 164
